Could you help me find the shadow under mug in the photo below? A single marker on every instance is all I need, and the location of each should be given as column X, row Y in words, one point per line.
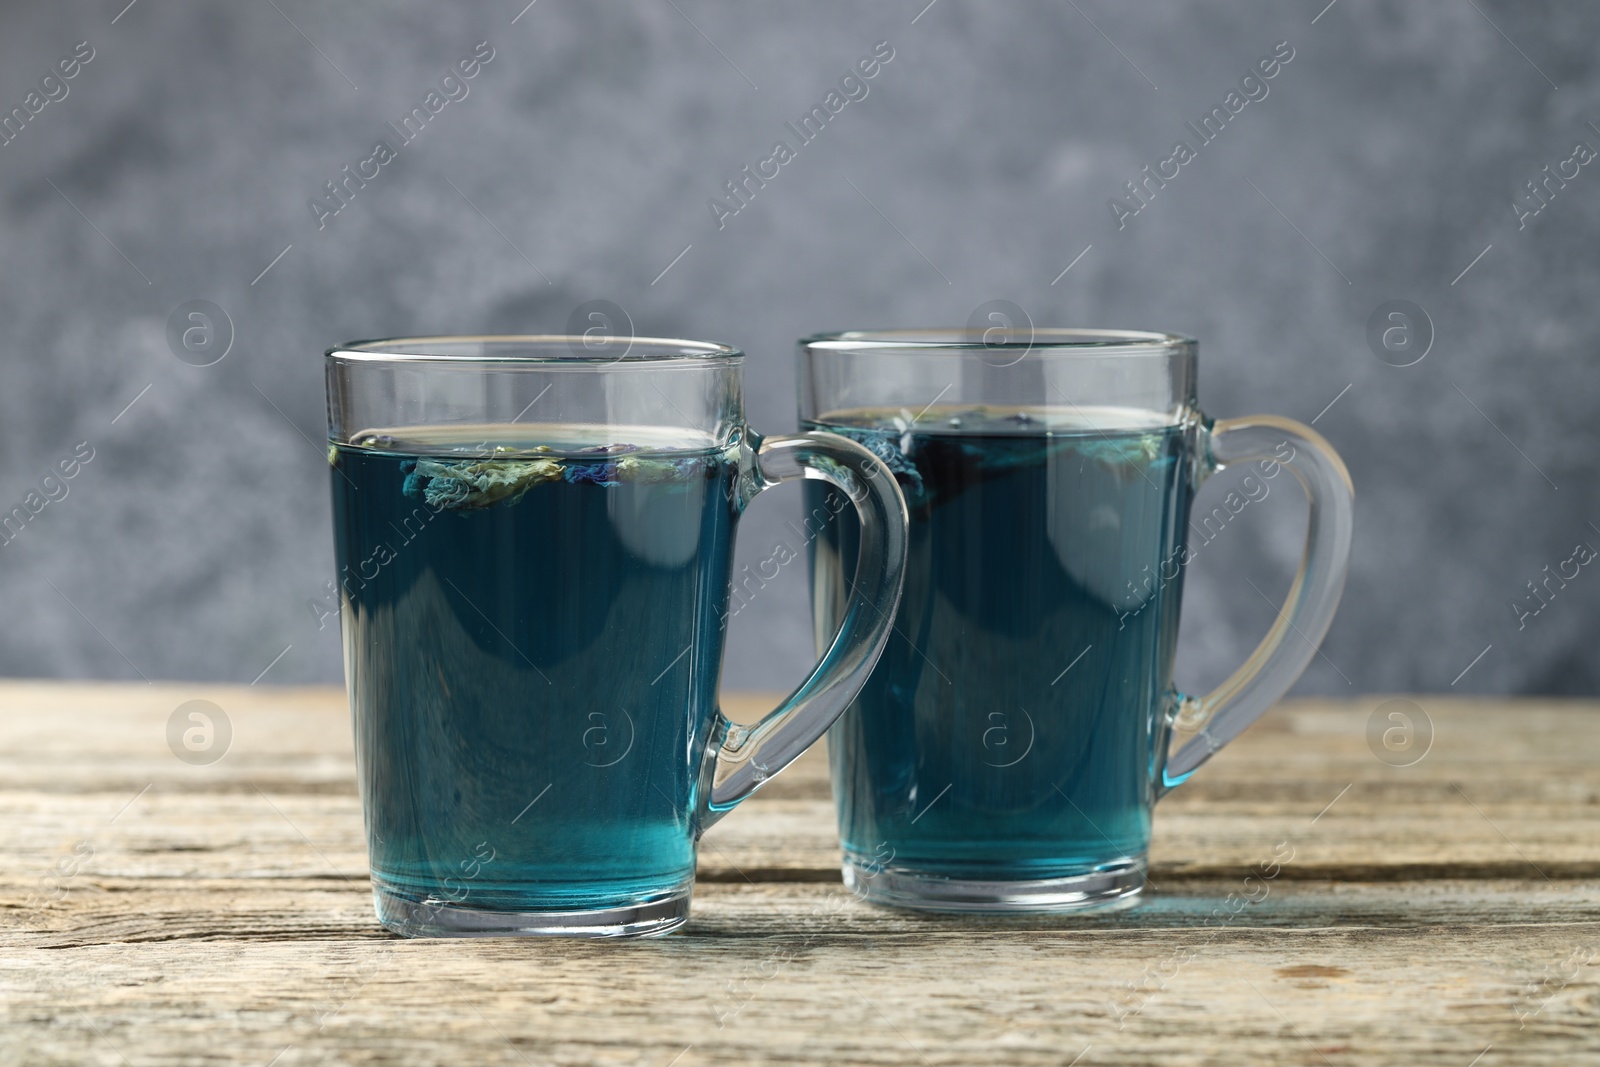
column 1008, row 749
column 535, row 542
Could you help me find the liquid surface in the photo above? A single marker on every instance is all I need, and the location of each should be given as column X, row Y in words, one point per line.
column 532, row 644
column 1010, row 730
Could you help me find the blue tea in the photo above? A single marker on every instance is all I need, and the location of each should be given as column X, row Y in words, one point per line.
column 1010, row 732
column 532, row 640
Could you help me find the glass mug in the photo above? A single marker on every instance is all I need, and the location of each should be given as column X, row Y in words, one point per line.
column 535, row 538
column 1007, row 750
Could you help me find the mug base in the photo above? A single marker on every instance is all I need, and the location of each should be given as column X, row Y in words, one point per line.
column 436, row 918
column 1107, row 887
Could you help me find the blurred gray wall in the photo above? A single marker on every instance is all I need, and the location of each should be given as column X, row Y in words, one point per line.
column 1384, row 160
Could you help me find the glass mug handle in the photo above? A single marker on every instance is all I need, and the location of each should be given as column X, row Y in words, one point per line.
column 741, row 758
column 1222, row 714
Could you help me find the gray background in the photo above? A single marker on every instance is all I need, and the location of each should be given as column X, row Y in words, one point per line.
column 1394, row 142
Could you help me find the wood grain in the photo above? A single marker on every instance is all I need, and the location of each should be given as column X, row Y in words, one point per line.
column 157, row 912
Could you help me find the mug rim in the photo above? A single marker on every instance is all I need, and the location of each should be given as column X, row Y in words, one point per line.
column 1066, row 340
column 568, row 349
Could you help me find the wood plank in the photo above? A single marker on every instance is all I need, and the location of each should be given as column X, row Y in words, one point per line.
column 267, row 836
column 1418, row 974
column 65, row 738
column 222, row 914
column 102, row 911
column 1500, row 795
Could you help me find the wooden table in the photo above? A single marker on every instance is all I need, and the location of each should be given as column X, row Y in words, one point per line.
column 1447, row 912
